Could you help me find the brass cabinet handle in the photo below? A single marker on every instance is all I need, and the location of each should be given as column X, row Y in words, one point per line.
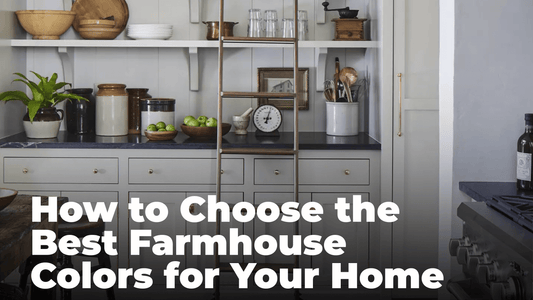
column 150, row 171
column 95, row 171
column 347, row 172
column 276, row 172
column 400, row 111
column 25, row 171
column 191, row 209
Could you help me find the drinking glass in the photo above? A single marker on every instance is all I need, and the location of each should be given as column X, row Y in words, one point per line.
column 302, row 15
column 271, row 23
column 303, row 30
column 254, row 14
column 288, row 28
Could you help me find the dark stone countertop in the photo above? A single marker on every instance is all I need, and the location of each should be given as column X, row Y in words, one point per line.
column 308, row 141
column 484, row 191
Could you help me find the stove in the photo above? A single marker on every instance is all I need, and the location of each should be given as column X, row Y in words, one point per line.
column 496, row 250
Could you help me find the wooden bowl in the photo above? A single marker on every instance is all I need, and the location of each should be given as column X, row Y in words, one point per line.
column 204, row 132
column 6, row 197
column 160, row 135
column 99, row 33
column 45, row 24
column 91, row 23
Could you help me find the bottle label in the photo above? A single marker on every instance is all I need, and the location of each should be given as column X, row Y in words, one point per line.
column 523, row 166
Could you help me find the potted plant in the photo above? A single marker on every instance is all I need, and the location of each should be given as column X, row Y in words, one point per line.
column 42, row 119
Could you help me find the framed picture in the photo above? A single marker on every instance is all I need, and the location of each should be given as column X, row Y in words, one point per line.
column 281, row 80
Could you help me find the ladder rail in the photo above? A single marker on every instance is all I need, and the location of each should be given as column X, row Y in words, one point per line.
column 219, row 151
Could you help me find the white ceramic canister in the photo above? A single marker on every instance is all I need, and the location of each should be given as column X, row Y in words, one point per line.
column 157, row 110
column 342, row 118
column 111, row 110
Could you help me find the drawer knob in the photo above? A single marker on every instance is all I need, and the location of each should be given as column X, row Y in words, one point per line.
column 25, row 171
column 150, row 171
column 95, row 171
column 221, row 171
column 191, row 209
column 347, row 172
column 276, row 172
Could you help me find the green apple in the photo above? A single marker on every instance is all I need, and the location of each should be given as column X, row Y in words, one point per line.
column 211, row 122
column 161, row 129
column 170, row 127
column 203, row 125
column 187, row 118
column 160, row 125
column 202, row 119
column 193, row 123
column 151, row 127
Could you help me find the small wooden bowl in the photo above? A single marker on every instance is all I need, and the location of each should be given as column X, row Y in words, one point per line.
column 99, row 33
column 160, row 135
column 6, row 197
column 204, row 132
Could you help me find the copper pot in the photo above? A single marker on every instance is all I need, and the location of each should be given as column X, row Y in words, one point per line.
column 212, row 29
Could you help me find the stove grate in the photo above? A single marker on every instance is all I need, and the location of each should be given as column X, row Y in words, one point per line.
column 518, row 208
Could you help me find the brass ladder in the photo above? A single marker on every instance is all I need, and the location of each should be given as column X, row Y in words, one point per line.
column 258, row 151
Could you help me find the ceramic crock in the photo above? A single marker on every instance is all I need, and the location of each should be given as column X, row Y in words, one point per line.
column 112, row 110
column 45, row 124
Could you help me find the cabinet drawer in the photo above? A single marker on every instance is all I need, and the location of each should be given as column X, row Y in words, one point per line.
column 313, row 171
column 60, row 170
column 335, row 171
column 184, row 171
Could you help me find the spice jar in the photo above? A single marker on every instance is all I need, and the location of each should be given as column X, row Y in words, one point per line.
column 134, row 109
column 80, row 113
column 157, row 110
column 112, row 110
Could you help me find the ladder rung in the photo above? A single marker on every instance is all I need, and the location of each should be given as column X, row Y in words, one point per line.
column 258, row 151
column 265, row 40
column 257, row 95
column 225, row 267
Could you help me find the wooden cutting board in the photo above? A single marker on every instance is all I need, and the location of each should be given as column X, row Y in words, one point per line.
column 99, row 9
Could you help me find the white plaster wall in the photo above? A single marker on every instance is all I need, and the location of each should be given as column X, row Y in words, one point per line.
column 11, row 60
column 492, row 90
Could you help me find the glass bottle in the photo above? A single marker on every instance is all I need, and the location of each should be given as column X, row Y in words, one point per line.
column 524, row 161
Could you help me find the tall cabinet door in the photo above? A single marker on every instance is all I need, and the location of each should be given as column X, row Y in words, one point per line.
column 415, row 136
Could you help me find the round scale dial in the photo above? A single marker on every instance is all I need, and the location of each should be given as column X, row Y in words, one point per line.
column 267, row 118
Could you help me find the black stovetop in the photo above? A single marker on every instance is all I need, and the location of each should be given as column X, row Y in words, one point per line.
column 516, row 207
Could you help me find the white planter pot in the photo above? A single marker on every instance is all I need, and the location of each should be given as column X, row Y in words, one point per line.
column 41, row 129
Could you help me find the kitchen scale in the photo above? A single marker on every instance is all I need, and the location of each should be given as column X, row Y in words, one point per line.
column 267, row 120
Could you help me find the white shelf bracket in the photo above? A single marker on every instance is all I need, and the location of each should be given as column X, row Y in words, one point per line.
column 66, row 56
column 193, row 69
column 195, row 8
column 320, row 61
column 320, row 14
column 67, row 5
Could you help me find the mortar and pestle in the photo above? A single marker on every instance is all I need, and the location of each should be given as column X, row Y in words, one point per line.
column 241, row 122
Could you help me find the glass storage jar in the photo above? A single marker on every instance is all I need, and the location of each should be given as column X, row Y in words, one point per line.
column 157, row 110
column 112, row 110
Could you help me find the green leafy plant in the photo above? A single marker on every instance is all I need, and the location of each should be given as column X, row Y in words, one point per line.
column 45, row 94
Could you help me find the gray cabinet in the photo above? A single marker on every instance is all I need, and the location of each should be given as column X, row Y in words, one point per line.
column 170, row 176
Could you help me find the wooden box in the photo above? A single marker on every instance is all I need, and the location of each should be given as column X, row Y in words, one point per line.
column 349, row 29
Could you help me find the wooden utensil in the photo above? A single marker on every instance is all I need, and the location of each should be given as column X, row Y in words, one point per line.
column 101, row 9
column 348, row 75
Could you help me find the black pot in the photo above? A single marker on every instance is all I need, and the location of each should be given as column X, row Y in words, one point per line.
column 80, row 113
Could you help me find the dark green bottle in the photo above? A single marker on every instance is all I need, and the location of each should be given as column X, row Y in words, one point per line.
column 524, row 161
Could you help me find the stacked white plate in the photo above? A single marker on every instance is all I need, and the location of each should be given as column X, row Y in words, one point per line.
column 150, row 31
